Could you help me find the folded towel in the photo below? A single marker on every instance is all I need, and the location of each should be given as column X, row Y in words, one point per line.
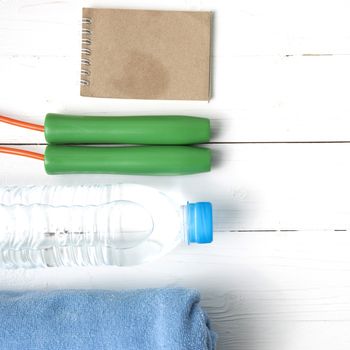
column 149, row 319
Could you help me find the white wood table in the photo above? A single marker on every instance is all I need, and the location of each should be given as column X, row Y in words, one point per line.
column 278, row 274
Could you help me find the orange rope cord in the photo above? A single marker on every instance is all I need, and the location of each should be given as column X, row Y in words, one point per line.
column 21, row 152
column 21, row 123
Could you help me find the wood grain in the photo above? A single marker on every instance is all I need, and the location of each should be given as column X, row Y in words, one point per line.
column 278, row 274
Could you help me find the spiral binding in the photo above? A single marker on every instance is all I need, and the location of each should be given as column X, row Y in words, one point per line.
column 85, row 52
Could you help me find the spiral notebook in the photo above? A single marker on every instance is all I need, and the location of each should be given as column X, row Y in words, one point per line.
column 142, row 54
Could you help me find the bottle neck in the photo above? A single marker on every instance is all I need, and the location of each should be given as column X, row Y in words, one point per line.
column 184, row 226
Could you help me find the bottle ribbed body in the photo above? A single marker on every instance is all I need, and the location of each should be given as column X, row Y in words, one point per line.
column 86, row 225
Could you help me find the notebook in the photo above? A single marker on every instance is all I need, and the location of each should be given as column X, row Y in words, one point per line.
column 142, row 54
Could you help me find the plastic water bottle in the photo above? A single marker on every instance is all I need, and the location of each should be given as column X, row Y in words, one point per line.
column 123, row 224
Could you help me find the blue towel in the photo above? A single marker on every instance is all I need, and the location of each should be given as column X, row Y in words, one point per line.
column 149, row 319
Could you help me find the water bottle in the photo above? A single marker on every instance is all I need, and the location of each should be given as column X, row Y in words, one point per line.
column 124, row 224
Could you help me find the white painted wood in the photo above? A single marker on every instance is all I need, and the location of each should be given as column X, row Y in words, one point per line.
column 264, row 88
column 252, row 186
column 262, row 290
column 281, row 73
column 256, row 98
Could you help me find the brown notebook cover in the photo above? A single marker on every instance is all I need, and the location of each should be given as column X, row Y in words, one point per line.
column 145, row 54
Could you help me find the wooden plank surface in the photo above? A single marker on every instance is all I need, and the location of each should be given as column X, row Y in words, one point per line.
column 252, row 186
column 268, row 290
column 277, row 276
column 281, row 71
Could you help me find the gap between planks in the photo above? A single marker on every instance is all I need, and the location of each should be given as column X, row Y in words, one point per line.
column 207, row 143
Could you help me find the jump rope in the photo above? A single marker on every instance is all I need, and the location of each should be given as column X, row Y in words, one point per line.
column 165, row 144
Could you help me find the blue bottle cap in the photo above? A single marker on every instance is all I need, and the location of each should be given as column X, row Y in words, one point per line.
column 199, row 222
